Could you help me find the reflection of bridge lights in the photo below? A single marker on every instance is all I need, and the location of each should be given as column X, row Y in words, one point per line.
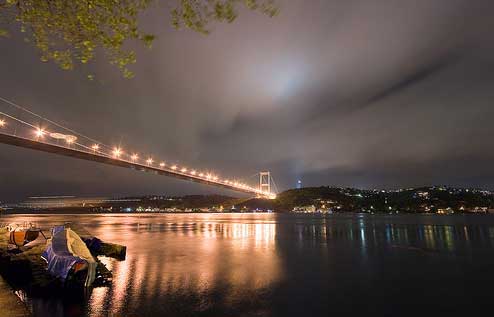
column 174, row 167
column 162, row 164
column 39, row 133
column 2, row 123
column 134, row 157
column 95, row 147
column 117, row 152
column 149, row 161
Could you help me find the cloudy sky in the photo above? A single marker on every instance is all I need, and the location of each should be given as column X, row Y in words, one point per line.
column 371, row 94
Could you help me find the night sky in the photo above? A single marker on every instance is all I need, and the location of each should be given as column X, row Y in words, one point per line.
column 368, row 94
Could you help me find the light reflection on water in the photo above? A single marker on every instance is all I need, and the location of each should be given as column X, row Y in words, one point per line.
column 192, row 257
column 269, row 264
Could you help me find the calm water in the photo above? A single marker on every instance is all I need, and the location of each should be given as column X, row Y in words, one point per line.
column 286, row 265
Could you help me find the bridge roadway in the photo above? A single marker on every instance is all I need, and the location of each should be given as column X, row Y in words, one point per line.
column 95, row 157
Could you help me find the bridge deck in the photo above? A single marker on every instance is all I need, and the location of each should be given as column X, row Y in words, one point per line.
column 95, row 157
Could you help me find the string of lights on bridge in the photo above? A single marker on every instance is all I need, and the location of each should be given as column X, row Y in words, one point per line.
column 42, row 135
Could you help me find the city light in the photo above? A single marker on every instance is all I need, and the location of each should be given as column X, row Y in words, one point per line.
column 201, row 175
column 134, row 157
column 174, row 167
column 149, row 161
column 117, row 152
column 183, row 170
column 2, row 123
column 193, row 172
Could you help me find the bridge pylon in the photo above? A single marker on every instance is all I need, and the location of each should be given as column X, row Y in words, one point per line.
column 265, row 181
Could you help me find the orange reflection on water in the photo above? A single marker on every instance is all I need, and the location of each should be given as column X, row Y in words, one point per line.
column 189, row 254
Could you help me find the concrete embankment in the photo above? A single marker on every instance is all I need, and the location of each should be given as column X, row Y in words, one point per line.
column 10, row 305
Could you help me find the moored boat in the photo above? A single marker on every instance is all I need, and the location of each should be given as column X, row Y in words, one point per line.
column 22, row 235
column 69, row 258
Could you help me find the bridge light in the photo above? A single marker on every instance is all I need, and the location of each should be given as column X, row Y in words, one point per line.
column 39, row 133
column 201, row 174
column 95, row 147
column 174, row 167
column 208, row 176
column 162, row 164
column 134, row 157
column 117, row 152
column 193, row 172
column 215, row 178
column 2, row 123
column 183, row 170
column 149, row 161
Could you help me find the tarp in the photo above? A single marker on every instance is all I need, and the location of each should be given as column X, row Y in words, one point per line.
column 93, row 244
column 65, row 250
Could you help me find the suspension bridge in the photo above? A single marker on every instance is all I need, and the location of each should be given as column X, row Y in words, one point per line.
column 24, row 128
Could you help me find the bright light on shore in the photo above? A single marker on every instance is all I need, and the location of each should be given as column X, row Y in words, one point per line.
column 174, row 167
column 162, row 164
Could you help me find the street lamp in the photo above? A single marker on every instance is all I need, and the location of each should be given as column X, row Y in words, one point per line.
column 39, row 133
column 117, row 152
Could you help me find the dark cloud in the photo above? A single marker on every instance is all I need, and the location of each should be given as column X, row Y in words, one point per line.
column 414, row 78
column 289, row 94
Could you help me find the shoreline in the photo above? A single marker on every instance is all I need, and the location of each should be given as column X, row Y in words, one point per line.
column 9, row 302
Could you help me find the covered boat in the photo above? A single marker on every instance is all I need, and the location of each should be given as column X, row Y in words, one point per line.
column 69, row 258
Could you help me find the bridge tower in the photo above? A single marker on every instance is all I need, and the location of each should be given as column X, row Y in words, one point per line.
column 265, row 181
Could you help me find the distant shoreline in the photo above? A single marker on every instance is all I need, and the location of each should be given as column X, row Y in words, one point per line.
column 81, row 212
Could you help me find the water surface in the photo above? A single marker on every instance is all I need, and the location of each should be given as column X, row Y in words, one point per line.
column 285, row 265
